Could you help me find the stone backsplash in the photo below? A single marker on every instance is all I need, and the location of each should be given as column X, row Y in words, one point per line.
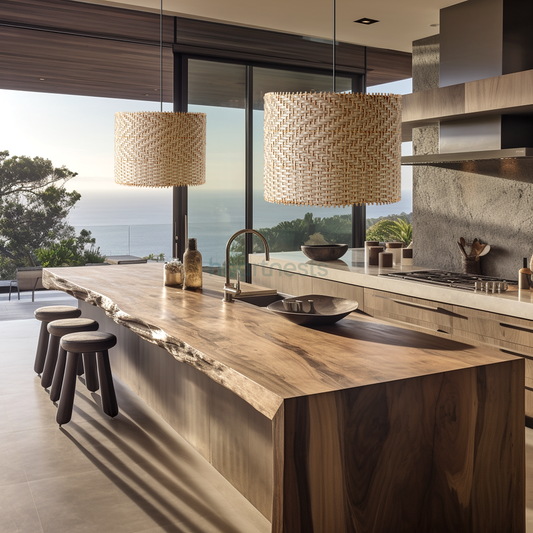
column 448, row 204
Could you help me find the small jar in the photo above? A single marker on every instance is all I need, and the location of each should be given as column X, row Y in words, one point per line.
column 407, row 256
column 368, row 244
column 385, row 259
column 173, row 273
column 373, row 254
column 192, row 267
column 396, row 249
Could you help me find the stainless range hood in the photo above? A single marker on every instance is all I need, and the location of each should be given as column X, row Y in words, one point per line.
column 484, row 106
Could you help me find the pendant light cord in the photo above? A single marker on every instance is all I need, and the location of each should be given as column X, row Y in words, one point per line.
column 334, row 41
column 161, row 56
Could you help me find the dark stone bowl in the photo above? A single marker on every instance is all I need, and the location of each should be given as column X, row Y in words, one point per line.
column 327, row 309
column 324, row 252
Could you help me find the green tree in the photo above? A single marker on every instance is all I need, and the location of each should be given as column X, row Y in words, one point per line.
column 34, row 206
column 72, row 251
column 27, row 176
column 385, row 230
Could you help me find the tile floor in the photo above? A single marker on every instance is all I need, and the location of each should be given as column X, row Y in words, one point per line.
column 132, row 474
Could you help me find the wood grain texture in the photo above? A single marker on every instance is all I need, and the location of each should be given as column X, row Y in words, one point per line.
column 259, row 356
column 407, row 456
column 507, row 94
column 223, row 428
column 356, row 427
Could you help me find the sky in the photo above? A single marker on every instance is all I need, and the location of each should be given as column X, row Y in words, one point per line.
column 78, row 132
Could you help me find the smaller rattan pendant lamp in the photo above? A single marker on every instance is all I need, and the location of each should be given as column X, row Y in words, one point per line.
column 332, row 149
column 160, row 149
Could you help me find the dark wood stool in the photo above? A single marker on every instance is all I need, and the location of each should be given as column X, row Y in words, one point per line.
column 89, row 342
column 54, row 366
column 46, row 315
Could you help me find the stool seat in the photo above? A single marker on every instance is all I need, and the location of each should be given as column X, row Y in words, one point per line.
column 56, row 312
column 62, row 327
column 45, row 315
column 54, row 365
column 87, row 342
column 82, row 342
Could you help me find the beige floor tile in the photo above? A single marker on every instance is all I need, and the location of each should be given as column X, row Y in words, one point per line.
column 17, row 510
column 91, row 502
column 11, row 465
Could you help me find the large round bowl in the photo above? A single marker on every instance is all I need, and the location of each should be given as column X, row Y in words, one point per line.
column 324, row 252
column 324, row 310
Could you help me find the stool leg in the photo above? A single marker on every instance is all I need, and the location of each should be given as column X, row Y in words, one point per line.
column 50, row 361
column 42, row 346
column 68, row 390
column 91, row 376
column 59, row 373
column 109, row 399
column 79, row 370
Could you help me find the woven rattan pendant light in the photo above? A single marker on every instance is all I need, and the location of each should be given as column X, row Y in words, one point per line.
column 160, row 149
column 332, row 149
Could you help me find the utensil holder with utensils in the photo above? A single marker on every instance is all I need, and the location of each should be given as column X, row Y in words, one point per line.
column 471, row 263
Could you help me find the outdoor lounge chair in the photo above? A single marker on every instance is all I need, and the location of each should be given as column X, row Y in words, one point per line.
column 28, row 279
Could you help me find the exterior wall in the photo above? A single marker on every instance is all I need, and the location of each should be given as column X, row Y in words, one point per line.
column 449, row 204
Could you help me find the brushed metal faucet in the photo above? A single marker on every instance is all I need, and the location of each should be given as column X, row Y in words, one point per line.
column 231, row 290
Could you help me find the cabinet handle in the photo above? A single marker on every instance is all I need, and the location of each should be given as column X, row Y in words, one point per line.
column 421, row 306
column 518, row 328
column 517, row 354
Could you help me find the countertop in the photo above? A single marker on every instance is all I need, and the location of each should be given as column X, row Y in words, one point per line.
column 258, row 355
column 351, row 269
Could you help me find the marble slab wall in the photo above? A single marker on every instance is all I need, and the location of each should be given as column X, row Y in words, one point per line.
column 449, row 204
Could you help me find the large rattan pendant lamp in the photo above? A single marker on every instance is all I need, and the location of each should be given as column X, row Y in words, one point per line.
column 160, row 149
column 332, row 149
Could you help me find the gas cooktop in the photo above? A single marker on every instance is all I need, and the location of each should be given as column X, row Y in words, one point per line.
column 456, row 280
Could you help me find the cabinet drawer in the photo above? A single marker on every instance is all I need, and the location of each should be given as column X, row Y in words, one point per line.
column 426, row 314
column 491, row 328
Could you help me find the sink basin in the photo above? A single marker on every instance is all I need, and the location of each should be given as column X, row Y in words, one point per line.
column 261, row 300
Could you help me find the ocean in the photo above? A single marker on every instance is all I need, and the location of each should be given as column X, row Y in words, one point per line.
column 136, row 221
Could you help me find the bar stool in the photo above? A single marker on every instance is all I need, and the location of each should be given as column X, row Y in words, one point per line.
column 54, row 366
column 88, row 342
column 46, row 315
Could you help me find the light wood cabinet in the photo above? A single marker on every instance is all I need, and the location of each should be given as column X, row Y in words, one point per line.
column 509, row 334
column 414, row 313
column 298, row 284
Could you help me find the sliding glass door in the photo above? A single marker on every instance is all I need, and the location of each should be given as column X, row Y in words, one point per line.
column 231, row 94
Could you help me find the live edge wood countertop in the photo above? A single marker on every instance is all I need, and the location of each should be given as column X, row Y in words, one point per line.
column 369, row 428
column 258, row 355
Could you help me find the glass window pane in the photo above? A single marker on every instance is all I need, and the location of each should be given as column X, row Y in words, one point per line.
column 216, row 209
column 287, row 227
column 403, row 208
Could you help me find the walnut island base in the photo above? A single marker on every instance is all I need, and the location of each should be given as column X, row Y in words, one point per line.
column 357, row 427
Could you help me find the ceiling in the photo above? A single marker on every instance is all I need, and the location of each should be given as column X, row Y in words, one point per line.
column 49, row 46
column 400, row 21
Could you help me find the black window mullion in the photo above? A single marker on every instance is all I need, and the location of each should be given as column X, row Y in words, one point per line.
column 249, row 169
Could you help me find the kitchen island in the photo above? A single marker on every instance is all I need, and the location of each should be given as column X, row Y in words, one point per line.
column 501, row 320
column 353, row 427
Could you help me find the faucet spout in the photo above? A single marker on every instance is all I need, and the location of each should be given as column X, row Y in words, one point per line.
column 229, row 289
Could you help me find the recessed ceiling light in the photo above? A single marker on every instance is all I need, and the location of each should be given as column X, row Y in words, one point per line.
column 366, row 20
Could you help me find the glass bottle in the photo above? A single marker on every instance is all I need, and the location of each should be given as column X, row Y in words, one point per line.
column 192, row 267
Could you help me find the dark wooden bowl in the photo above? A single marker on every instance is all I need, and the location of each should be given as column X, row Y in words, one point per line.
column 324, row 252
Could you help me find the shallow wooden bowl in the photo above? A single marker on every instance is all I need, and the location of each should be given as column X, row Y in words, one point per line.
column 324, row 252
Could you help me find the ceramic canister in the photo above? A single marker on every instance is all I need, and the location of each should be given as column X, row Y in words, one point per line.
column 373, row 254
